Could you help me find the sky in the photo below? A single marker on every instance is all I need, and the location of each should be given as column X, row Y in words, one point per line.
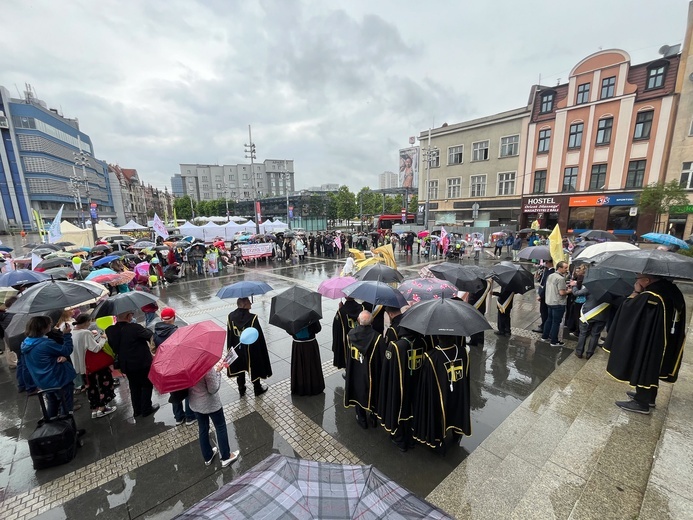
column 337, row 86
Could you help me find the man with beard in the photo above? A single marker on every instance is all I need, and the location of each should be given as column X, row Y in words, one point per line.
column 363, row 342
column 254, row 358
column 345, row 319
column 646, row 340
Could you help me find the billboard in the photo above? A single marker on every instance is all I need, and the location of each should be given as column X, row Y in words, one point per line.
column 409, row 167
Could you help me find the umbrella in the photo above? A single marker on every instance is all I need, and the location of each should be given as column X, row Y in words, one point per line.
column 100, row 272
column 289, row 234
column 595, row 249
column 142, row 244
column 295, row 308
column 243, row 289
column 598, row 234
column 186, row 356
column 31, row 245
column 124, row 302
column 120, row 254
column 52, row 247
column 105, row 260
column 444, row 317
column 605, row 283
column 101, row 249
column 6, row 249
column 42, row 251
column 424, row 289
column 50, row 295
column 65, row 244
column 285, row 487
column 526, row 230
column 423, row 234
column 60, row 273
column 464, row 277
column 22, row 277
column 377, row 293
column 161, row 248
column 142, row 269
column 53, row 262
column 333, row 287
column 663, row 238
column 6, row 292
column 15, row 331
column 379, row 273
column 59, row 254
column 514, row 277
column 651, row 261
column 535, row 253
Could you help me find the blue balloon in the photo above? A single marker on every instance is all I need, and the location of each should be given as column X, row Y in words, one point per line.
column 249, row 336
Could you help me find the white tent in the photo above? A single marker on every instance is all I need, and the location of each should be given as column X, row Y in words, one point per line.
column 192, row 230
column 133, row 226
column 277, row 225
column 78, row 236
column 248, row 226
column 104, row 229
column 230, row 230
column 211, row 230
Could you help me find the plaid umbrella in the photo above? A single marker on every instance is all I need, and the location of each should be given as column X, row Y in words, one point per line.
column 284, row 487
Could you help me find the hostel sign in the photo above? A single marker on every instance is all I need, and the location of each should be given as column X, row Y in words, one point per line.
column 541, row 205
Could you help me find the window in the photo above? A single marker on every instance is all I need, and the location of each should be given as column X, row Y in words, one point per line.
column 435, row 159
column 687, row 176
column 506, row 183
column 643, row 125
column 547, row 102
column 204, row 178
column 432, row 190
column 570, row 179
column 581, row 219
column 477, row 186
column 620, row 218
column 655, row 77
column 245, row 176
column 454, row 188
column 575, row 135
column 539, row 181
column 480, row 151
column 218, row 186
column 232, row 177
column 205, row 186
column 510, row 146
column 608, row 87
column 636, row 174
column 544, row 141
column 456, row 155
column 598, row 179
column 604, row 130
column 583, row 93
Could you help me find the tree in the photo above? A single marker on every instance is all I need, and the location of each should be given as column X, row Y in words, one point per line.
column 346, row 203
column 316, row 206
column 182, row 207
column 414, row 204
column 331, row 210
column 658, row 198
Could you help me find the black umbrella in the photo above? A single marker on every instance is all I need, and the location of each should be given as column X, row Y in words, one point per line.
column 60, row 273
column 464, row 277
column 377, row 293
column 15, row 332
column 379, row 273
column 42, row 251
column 652, row 261
column 161, row 248
column 124, row 302
column 598, row 234
column 295, row 308
column 526, row 230
column 444, row 317
column 65, row 244
column 101, row 249
column 606, row 283
column 514, row 277
column 120, row 253
column 143, row 244
column 289, row 234
column 51, row 295
column 54, row 262
column 535, row 253
column 31, row 245
column 52, row 247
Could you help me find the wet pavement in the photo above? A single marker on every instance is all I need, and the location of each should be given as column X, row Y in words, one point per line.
column 152, row 469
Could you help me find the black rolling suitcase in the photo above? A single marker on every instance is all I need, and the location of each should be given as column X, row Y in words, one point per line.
column 55, row 439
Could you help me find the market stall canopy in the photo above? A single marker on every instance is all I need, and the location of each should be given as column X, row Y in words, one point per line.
column 78, row 236
column 192, row 230
column 133, row 226
column 104, row 229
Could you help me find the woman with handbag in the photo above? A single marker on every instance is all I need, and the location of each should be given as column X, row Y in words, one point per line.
column 98, row 361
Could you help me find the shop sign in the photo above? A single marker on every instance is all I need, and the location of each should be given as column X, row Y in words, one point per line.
column 625, row 199
column 679, row 210
column 541, row 205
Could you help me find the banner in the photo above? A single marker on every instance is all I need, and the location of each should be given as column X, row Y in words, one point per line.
column 159, row 227
column 39, row 224
column 409, row 167
column 444, row 240
column 251, row 251
column 54, row 233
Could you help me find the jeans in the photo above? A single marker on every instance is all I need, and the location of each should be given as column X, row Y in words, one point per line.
column 53, row 403
column 200, row 266
column 181, row 412
column 24, row 379
column 591, row 329
column 553, row 322
column 222, row 435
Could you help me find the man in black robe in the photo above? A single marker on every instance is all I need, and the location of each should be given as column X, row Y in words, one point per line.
column 345, row 319
column 504, row 303
column 363, row 342
column 395, row 315
column 254, row 358
column 478, row 300
column 646, row 340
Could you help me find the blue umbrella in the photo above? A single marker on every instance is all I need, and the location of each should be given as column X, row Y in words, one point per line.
column 106, row 260
column 243, row 289
column 22, row 277
column 663, row 238
column 6, row 249
column 377, row 293
column 100, row 272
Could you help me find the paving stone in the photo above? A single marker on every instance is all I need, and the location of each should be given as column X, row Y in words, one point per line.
column 603, row 497
column 674, row 461
column 662, row 504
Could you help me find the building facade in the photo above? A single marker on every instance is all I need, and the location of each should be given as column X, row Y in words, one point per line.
column 596, row 141
column 388, row 180
column 470, row 172
column 47, row 162
column 139, row 202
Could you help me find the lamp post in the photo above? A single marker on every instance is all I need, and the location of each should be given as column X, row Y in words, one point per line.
column 250, row 154
column 74, row 187
column 226, row 200
column 82, row 159
column 285, row 178
column 430, row 153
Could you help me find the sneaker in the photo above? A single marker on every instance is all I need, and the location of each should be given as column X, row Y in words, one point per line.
column 190, row 422
column 631, row 395
column 545, row 340
column 214, row 454
column 93, row 414
column 259, row 390
column 539, row 330
column 232, row 458
column 573, row 335
column 558, row 344
column 151, row 411
column 179, row 422
column 106, row 411
column 633, row 406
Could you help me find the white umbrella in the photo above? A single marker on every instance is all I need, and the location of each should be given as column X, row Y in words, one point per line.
column 604, row 247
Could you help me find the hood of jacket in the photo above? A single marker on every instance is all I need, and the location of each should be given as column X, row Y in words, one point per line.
column 31, row 343
column 164, row 330
column 362, row 337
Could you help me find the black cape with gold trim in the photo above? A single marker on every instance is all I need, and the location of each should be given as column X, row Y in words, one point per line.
column 363, row 342
column 647, row 336
column 345, row 319
column 254, row 358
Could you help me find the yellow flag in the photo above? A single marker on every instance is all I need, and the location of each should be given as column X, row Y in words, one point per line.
column 556, row 246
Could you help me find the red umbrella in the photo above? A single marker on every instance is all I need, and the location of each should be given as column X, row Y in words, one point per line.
column 186, row 356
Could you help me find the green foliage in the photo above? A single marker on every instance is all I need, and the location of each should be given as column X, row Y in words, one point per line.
column 182, row 207
column 658, row 198
column 346, row 203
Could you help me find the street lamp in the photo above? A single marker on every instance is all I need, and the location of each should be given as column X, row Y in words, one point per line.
column 226, row 200
column 430, row 153
column 74, row 188
column 82, row 159
column 250, row 154
column 285, row 178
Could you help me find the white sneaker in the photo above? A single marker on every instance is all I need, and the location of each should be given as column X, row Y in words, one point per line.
column 107, row 410
column 214, row 454
column 232, row 458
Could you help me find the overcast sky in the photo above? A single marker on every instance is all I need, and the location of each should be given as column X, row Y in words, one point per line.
column 338, row 86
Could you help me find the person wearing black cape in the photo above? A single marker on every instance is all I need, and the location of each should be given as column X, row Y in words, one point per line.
column 478, row 300
column 378, row 316
column 363, row 343
column 646, row 340
column 306, row 367
column 254, row 358
column 345, row 319
column 504, row 303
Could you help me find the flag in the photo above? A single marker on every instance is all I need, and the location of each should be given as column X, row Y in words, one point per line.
column 54, row 233
column 338, row 242
column 39, row 224
column 35, row 260
column 175, row 217
column 159, row 227
column 556, row 246
column 444, row 240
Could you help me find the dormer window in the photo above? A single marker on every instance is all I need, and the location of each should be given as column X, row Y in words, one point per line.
column 547, row 102
column 655, row 75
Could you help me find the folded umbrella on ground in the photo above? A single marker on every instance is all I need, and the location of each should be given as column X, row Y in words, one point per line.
column 377, row 293
column 295, row 308
column 243, row 289
column 514, row 277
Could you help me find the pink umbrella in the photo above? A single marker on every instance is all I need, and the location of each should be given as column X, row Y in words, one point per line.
column 186, row 356
column 332, row 287
column 423, row 234
column 142, row 269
